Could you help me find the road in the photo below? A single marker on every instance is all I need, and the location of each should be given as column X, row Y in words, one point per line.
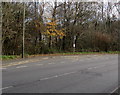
column 63, row 74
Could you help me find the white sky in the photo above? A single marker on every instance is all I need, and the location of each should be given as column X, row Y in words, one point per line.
column 62, row 0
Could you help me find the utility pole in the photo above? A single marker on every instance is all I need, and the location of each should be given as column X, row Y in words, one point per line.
column 23, row 43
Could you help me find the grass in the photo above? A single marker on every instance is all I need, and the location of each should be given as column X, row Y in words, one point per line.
column 8, row 57
column 75, row 53
column 109, row 52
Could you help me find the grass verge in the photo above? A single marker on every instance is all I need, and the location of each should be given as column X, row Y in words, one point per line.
column 8, row 57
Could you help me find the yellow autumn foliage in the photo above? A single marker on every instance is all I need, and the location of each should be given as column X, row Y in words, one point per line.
column 53, row 34
column 51, row 28
column 47, row 32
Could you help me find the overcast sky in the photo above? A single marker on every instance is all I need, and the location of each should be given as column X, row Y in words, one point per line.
column 62, row 0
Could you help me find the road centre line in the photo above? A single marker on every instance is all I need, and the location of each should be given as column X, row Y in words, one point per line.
column 49, row 78
column 6, row 87
column 64, row 74
column 59, row 75
column 67, row 73
column 55, row 76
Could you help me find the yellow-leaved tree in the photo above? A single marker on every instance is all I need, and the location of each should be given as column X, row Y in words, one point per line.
column 52, row 31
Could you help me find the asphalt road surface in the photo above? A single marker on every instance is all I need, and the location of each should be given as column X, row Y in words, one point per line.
column 63, row 74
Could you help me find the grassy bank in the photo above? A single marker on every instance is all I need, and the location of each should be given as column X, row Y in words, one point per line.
column 109, row 52
column 8, row 57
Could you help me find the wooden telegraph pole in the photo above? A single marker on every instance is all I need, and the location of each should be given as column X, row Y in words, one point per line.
column 23, row 43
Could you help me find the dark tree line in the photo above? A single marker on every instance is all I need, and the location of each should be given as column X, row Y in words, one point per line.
column 52, row 27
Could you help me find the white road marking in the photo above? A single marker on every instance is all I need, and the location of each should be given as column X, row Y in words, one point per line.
column 44, row 78
column 21, row 66
column 6, row 87
column 51, row 63
column 49, row 77
column 90, row 68
column 96, row 67
column 57, row 76
column 67, row 73
column 114, row 90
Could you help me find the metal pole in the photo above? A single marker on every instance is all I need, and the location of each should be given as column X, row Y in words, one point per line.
column 74, row 45
column 23, row 30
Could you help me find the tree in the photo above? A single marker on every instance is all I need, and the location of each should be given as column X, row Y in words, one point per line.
column 53, row 31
